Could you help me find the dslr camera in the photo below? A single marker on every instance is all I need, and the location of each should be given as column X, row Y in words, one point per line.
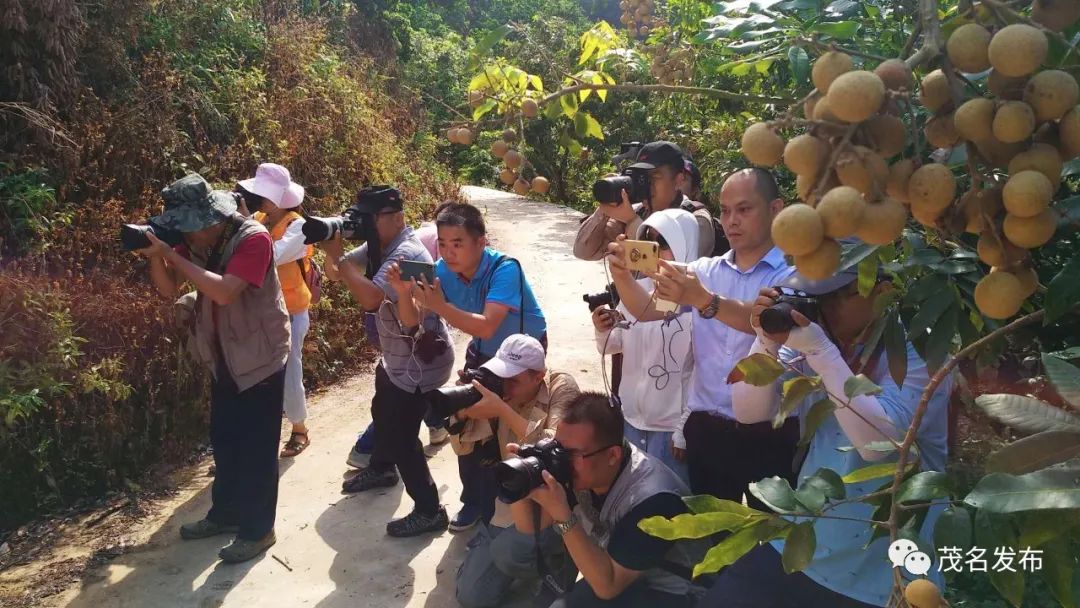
column 608, row 297
column 445, row 402
column 635, row 182
column 133, row 236
column 350, row 224
column 519, row 474
column 776, row 319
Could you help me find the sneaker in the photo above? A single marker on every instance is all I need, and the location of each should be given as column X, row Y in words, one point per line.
column 370, row 478
column 204, row 528
column 242, row 550
column 466, row 518
column 438, row 436
column 417, row 523
column 358, row 460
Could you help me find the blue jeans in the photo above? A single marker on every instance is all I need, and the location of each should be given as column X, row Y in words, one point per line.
column 658, row 445
column 499, row 556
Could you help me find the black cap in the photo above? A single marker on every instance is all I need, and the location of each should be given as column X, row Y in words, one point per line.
column 842, row 278
column 660, row 153
column 374, row 199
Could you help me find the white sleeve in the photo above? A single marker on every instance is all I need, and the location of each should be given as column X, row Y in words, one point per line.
column 753, row 404
column 290, row 247
column 609, row 342
column 677, row 438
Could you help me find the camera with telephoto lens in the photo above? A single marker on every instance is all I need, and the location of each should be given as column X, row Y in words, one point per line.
column 350, row 224
column 635, row 182
column 776, row 319
column 608, row 297
column 521, row 473
column 445, row 402
column 133, row 236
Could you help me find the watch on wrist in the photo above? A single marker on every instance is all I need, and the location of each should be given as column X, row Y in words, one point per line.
column 712, row 308
column 562, row 527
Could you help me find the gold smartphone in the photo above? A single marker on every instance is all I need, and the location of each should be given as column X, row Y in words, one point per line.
column 643, row 256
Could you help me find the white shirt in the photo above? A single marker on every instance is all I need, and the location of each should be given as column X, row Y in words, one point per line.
column 658, row 365
column 717, row 347
column 290, row 247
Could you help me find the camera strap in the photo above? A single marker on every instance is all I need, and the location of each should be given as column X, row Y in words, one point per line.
column 487, row 287
column 547, row 577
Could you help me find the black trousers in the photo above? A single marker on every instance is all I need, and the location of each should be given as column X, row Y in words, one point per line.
column 245, row 429
column 637, row 595
column 397, row 414
column 724, row 457
column 758, row 580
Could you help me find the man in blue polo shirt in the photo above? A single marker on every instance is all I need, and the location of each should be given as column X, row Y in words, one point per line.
column 483, row 293
column 722, row 455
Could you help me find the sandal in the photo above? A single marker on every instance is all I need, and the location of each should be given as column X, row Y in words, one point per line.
column 294, row 445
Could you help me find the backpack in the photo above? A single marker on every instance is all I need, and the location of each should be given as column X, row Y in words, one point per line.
column 720, row 242
column 313, row 275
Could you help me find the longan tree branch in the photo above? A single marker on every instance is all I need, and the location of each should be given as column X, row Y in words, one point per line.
column 831, row 46
column 664, row 88
column 931, row 31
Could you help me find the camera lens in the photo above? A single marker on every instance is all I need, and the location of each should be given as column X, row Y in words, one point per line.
column 517, row 477
column 133, row 236
column 445, row 402
column 776, row 319
column 609, row 189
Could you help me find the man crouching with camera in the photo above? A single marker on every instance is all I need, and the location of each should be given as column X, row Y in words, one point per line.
column 594, row 488
column 240, row 331
column 527, row 407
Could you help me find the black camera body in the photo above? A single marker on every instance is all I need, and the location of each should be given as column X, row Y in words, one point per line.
column 634, row 181
column 350, row 224
column 445, row 402
column 776, row 319
column 521, row 473
column 608, row 297
column 133, row 236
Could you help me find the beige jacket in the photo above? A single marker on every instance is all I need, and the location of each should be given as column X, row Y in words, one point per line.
column 598, row 230
column 253, row 331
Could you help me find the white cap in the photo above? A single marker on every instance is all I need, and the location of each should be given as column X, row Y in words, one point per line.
column 517, row 353
column 271, row 181
column 294, row 195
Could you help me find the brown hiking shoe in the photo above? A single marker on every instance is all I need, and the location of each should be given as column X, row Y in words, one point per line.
column 204, row 528
column 242, row 550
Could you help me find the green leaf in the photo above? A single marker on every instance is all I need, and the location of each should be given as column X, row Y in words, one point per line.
column 486, row 44
column 953, row 529
column 553, row 111
column 758, row 369
column 1035, row 452
column 704, row 503
column 811, row 497
column 1058, row 566
column 995, row 531
column 598, row 78
column 1065, row 377
column 1063, row 292
column 795, row 391
column 742, row 68
column 740, row 543
column 776, row 492
column 860, row 385
column 536, row 82
column 829, row 482
column 800, row 65
column 569, row 104
column 929, row 313
column 1040, row 527
column 694, row 525
column 939, row 343
column 1026, row 414
column 799, row 547
column 854, row 254
column 896, row 347
column 924, row 487
column 484, row 108
column 868, row 271
column 587, row 126
column 817, row 414
column 874, row 471
column 1057, row 488
column 839, row 29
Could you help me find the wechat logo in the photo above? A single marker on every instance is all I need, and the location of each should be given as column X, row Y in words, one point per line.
column 905, row 554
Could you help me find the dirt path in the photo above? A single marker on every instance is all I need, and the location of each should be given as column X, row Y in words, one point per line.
column 334, row 544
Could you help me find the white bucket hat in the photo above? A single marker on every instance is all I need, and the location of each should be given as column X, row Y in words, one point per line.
column 271, row 182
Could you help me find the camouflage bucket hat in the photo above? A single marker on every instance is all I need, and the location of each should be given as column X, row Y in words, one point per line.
column 191, row 205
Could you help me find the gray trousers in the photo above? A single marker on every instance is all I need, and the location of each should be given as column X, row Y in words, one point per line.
column 499, row 556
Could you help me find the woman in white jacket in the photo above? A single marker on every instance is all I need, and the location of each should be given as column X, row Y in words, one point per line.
column 657, row 356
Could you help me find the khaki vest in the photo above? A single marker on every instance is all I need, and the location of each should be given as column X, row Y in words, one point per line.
column 253, row 331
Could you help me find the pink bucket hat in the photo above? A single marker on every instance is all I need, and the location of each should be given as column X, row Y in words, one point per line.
column 271, row 182
column 294, row 195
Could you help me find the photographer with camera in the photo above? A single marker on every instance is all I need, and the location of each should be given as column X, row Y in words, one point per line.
column 526, row 409
column 275, row 201
column 850, row 568
column 593, row 488
column 723, row 457
column 417, row 356
column 657, row 364
column 240, row 332
column 656, row 181
column 483, row 293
